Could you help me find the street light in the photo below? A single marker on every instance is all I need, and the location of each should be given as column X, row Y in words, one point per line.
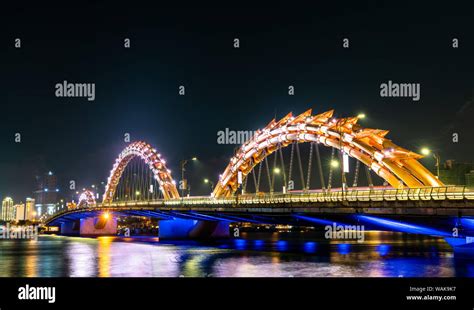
column 361, row 116
column 207, row 181
column 183, row 165
column 334, row 163
column 277, row 170
column 426, row 151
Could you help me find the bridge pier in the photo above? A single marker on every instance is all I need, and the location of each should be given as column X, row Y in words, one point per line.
column 463, row 245
column 192, row 229
column 70, row 228
column 98, row 226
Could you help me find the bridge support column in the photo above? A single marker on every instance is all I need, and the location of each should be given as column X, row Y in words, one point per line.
column 463, row 245
column 98, row 226
column 70, row 228
column 192, row 229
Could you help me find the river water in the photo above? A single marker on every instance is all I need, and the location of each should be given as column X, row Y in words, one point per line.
column 383, row 254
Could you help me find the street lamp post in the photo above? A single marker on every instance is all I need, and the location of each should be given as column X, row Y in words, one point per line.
column 341, row 157
column 437, row 159
column 183, row 184
column 276, row 173
column 207, row 181
column 426, row 151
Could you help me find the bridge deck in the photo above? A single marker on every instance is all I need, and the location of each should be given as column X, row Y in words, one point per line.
column 431, row 201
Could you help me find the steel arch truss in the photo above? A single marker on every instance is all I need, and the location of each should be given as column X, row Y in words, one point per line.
column 86, row 199
column 152, row 159
column 398, row 166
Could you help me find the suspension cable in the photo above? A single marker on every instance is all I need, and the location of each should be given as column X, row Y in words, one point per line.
column 283, row 167
column 300, row 165
column 244, row 185
column 268, row 174
column 274, row 168
column 147, row 181
column 140, row 181
column 291, row 163
column 259, row 177
column 320, row 167
column 330, row 170
column 310, row 160
column 356, row 174
column 369, row 177
column 254, row 179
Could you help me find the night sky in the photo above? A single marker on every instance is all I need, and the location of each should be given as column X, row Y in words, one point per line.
column 281, row 44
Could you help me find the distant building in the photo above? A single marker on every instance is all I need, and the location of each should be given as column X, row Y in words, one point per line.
column 470, row 178
column 30, row 210
column 60, row 206
column 46, row 194
column 7, row 213
column 19, row 212
column 454, row 173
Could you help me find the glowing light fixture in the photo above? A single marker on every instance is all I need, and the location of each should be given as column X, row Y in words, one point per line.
column 425, row 151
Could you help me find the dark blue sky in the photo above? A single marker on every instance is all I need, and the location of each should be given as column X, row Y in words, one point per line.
column 281, row 44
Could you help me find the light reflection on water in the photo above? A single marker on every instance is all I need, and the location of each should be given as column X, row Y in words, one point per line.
column 383, row 254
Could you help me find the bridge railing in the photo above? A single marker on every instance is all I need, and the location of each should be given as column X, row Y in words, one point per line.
column 351, row 195
column 354, row 195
